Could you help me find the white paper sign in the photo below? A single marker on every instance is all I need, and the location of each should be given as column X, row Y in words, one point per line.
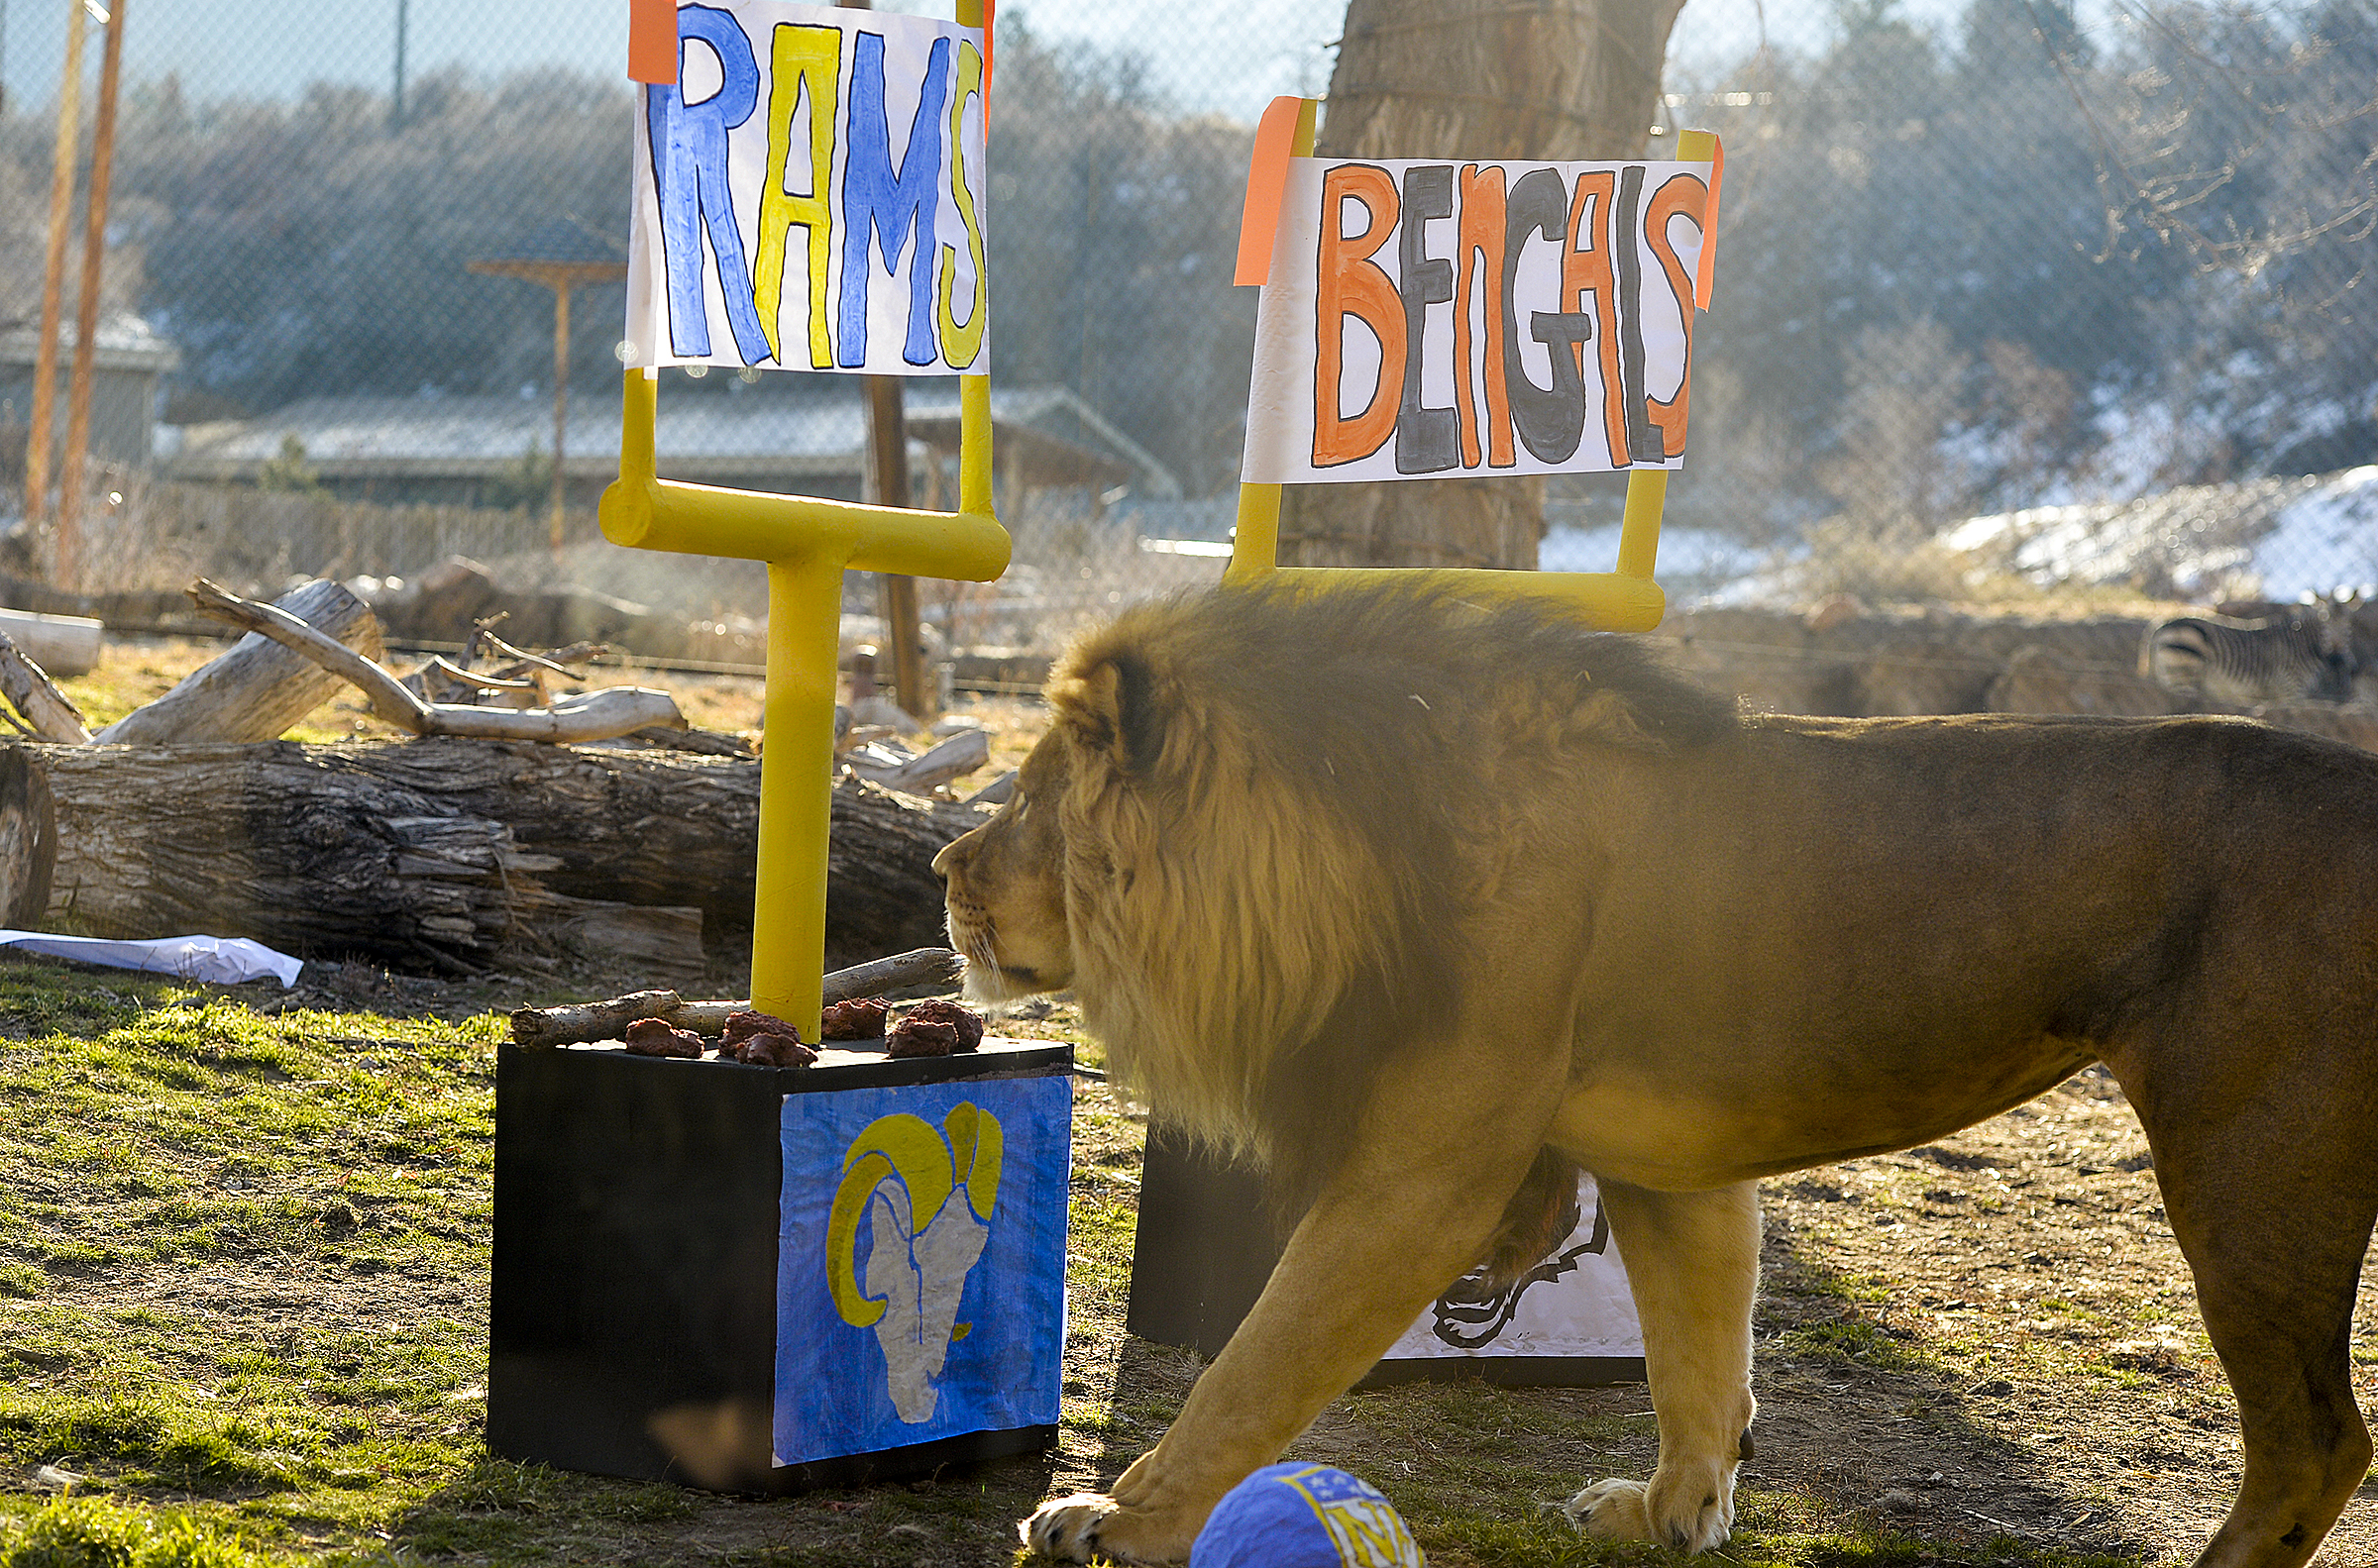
column 810, row 193
column 1437, row 320
column 1574, row 1304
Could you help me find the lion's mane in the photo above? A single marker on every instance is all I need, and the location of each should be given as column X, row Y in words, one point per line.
column 1282, row 808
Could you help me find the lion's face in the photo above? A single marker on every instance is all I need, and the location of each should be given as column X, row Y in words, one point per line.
column 1006, row 886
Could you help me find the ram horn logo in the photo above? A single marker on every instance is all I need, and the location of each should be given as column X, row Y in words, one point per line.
column 900, row 1175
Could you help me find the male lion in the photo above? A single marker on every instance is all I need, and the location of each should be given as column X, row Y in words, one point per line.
column 1419, row 901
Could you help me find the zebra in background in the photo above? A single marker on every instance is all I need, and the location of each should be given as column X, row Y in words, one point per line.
column 2304, row 653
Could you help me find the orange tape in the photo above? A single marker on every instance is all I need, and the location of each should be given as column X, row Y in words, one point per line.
column 1704, row 281
column 1267, row 185
column 990, row 15
column 652, row 40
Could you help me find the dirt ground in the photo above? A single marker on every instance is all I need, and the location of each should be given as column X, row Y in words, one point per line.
column 2010, row 1339
column 1992, row 1336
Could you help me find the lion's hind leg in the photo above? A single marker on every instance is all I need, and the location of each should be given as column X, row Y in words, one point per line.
column 2273, row 1207
column 1693, row 1262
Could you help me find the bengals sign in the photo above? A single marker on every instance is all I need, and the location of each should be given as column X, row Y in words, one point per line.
column 1439, row 319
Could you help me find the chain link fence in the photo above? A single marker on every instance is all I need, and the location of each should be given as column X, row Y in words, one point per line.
column 2020, row 305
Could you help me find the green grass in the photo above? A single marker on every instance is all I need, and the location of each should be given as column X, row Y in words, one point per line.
column 243, row 1291
column 92, row 1532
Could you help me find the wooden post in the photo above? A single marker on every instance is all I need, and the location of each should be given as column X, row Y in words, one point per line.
column 888, row 438
column 87, row 312
column 396, row 88
column 561, row 396
column 54, row 277
column 561, row 273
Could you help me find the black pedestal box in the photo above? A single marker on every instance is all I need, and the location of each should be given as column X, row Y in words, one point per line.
column 1207, row 1246
column 638, row 1287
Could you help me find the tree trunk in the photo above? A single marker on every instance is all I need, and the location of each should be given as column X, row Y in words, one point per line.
column 1446, row 79
column 279, row 843
column 28, row 839
column 456, row 854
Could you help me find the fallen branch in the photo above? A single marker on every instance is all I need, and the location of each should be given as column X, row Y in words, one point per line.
column 470, row 678
column 935, row 966
column 955, row 758
column 47, row 713
column 591, row 1020
column 576, row 1023
column 558, row 662
column 591, row 716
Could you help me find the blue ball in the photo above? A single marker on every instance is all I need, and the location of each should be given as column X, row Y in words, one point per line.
column 1296, row 1516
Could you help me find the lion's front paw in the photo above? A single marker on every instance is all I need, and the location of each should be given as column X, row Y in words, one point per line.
column 1611, row 1510
column 1066, row 1528
column 1088, row 1525
column 1690, row 1519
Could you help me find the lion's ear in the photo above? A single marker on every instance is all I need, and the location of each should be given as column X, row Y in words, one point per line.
column 1109, row 707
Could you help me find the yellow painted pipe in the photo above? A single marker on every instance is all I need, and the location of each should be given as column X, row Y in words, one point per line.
column 1646, row 488
column 797, row 792
column 1639, row 525
column 808, row 543
column 1255, row 541
column 1607, row 601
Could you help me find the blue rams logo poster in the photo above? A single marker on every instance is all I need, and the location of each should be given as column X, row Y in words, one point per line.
column 921, row 1263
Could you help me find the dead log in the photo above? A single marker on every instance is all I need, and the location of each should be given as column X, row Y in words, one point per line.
column 257, row 689
column 451, row 855
column 997, row 793
column 273, row 843
column 576, row 1023
column 927, row 966
column 587, row 716
column 28, row 839
column 293, row 848
column 49, row 714
column 66, row 644
column 657, row 827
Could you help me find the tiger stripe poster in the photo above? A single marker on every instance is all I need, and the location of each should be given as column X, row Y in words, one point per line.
column 810, row 193
column 1431, row 319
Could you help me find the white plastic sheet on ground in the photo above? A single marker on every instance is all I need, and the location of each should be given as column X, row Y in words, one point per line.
column 216, row 960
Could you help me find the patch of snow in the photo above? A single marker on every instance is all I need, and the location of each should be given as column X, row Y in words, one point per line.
column 2275, row 538
column 1695, row 565
column 2327, row 538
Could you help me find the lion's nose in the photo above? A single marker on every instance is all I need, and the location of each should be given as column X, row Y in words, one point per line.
column 953, row 853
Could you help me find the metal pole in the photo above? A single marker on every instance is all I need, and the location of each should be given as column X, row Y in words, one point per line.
column 887, row 437
column 87, row 314
column 54, row 277
column 561, row 394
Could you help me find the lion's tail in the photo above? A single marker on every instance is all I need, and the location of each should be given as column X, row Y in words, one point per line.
column 1540, row 1213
